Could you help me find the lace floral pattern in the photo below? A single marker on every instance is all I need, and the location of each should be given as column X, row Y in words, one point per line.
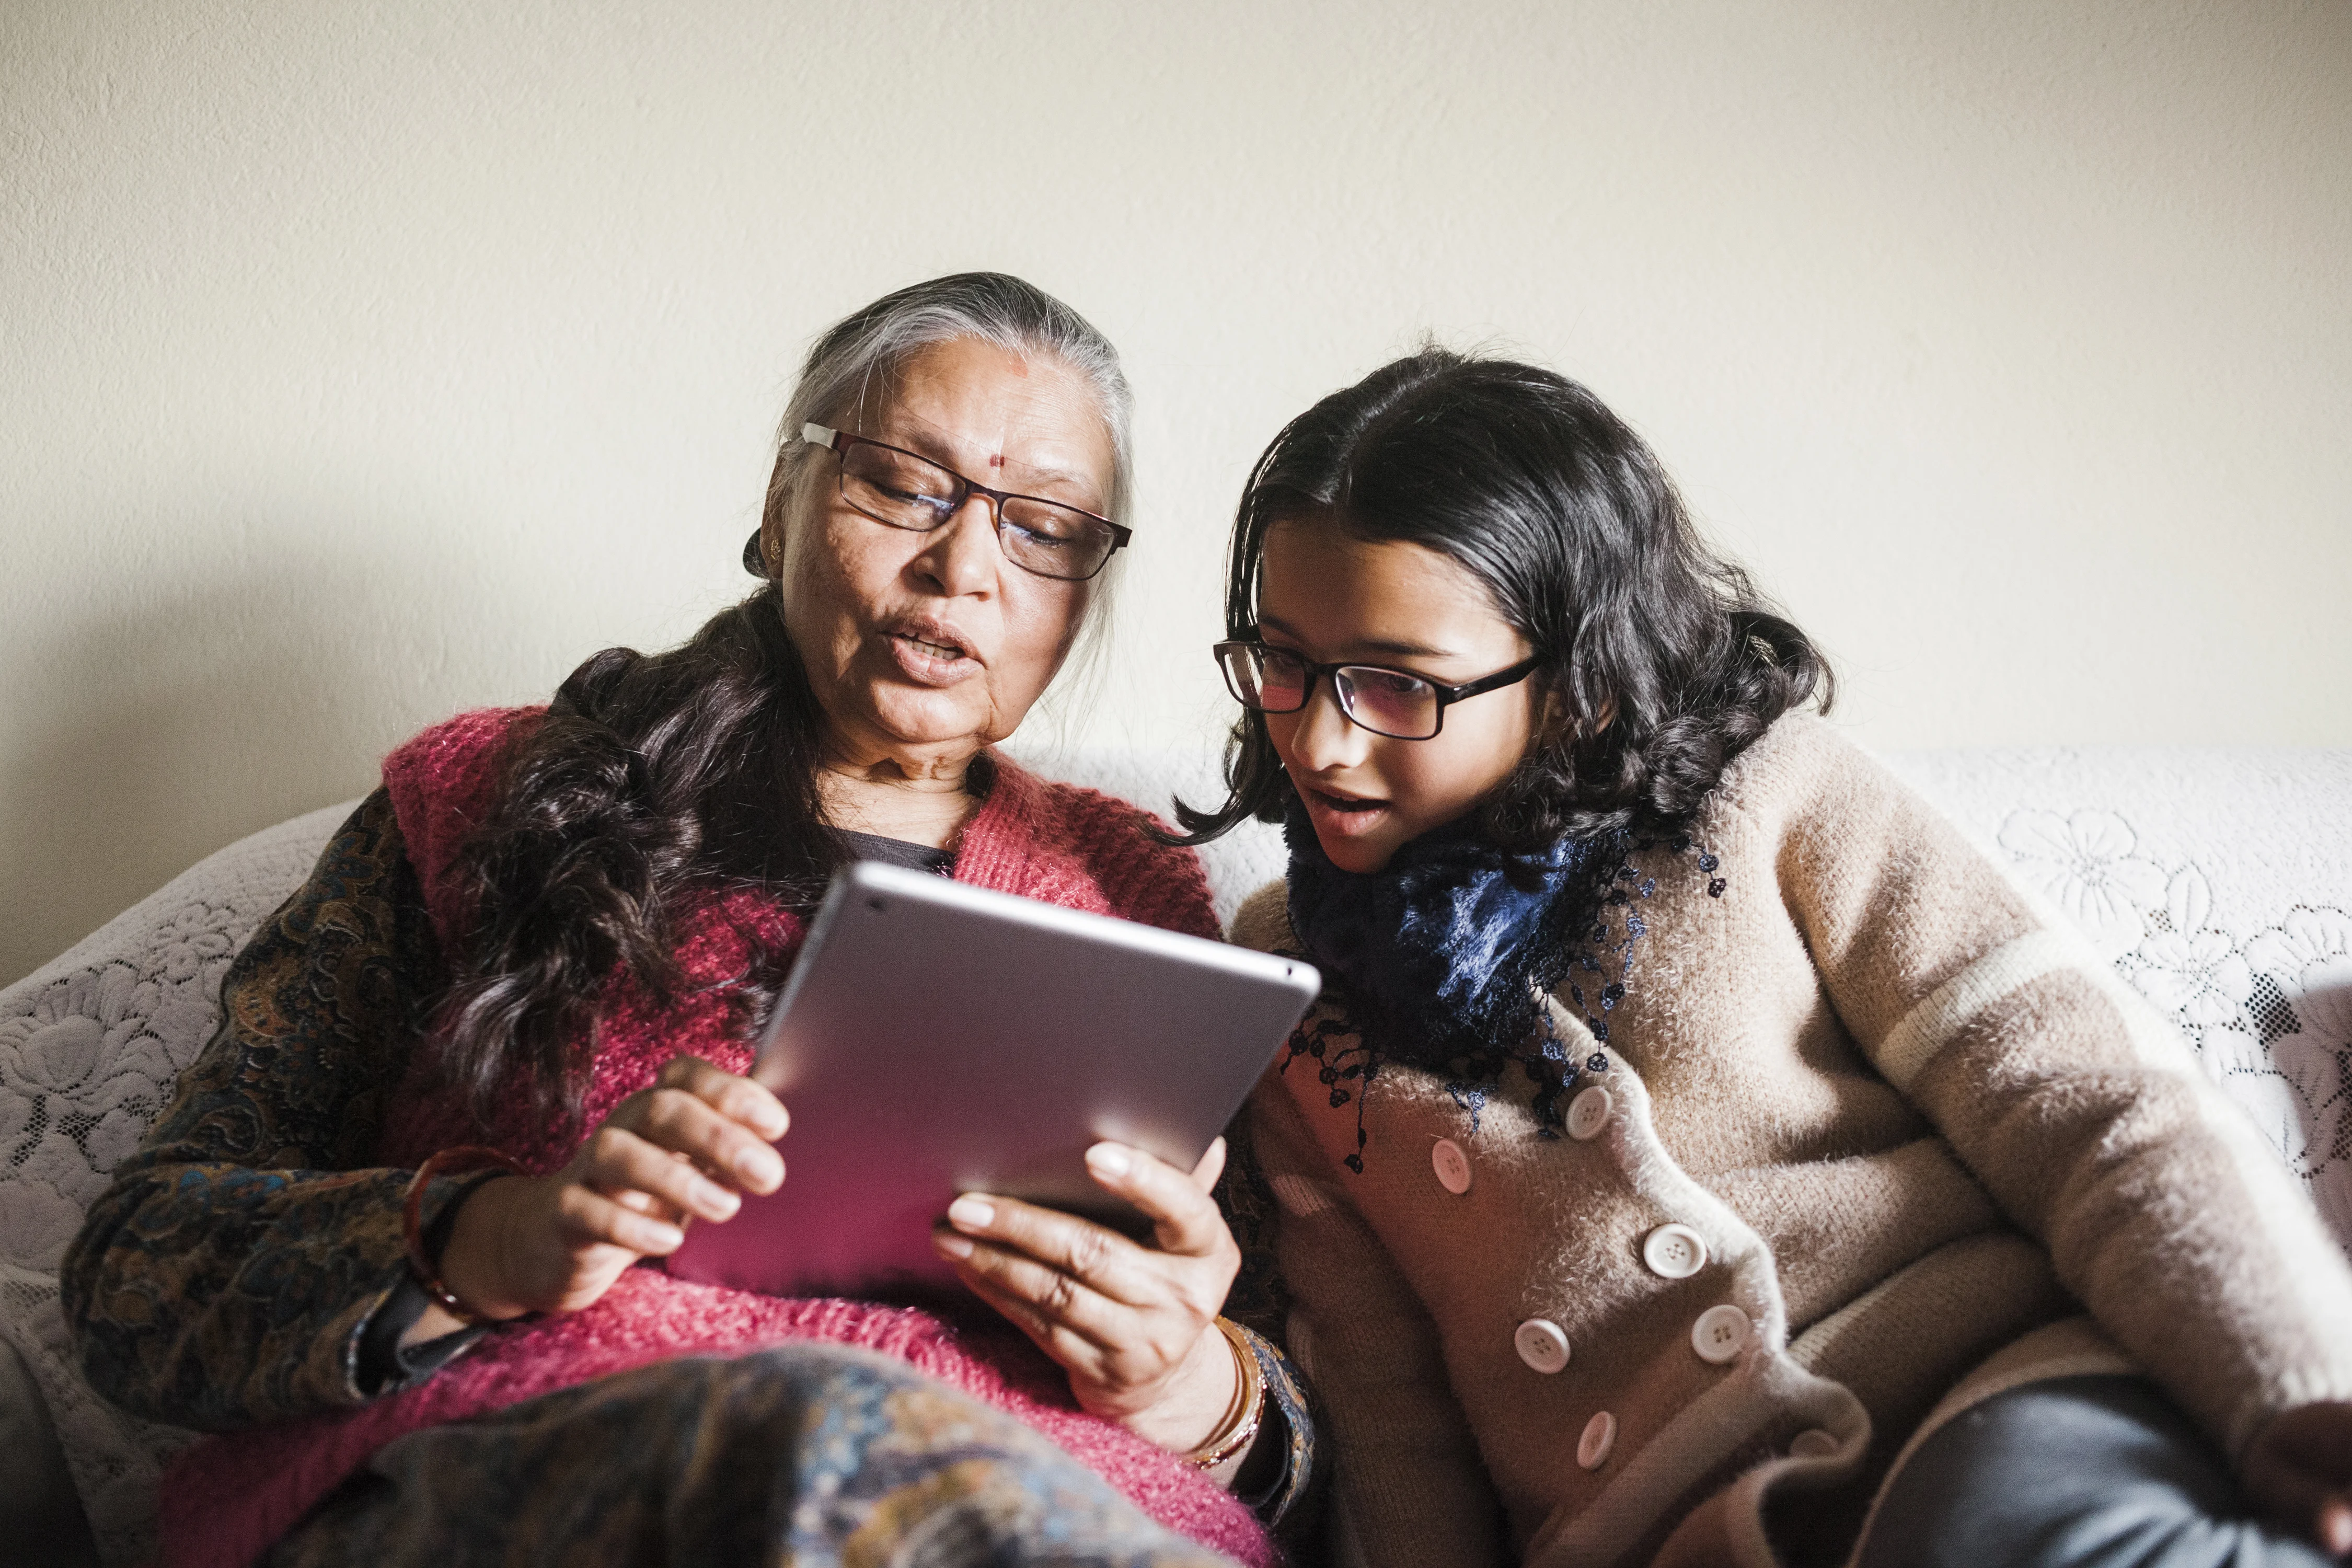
column 90, row 1049
column 2270, row 1011
column 2087, row 863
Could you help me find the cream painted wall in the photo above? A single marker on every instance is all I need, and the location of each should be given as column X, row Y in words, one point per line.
column 362, row 362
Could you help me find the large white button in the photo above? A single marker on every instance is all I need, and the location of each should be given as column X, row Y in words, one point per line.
column 1588, row 1113
column 1541, row 1344
column 1815, row 1444
column 1452, row 1165
column 1721, row 1333
column 1600, row 1436
column 1675, row 1252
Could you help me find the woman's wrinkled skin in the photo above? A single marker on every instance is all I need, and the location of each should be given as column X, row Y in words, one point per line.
column 922, row 648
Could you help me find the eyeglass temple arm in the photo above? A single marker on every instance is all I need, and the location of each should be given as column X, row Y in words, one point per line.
column 1501, row 677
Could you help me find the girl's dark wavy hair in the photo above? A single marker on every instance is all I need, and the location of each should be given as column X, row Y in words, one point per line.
column 657, row 779
column 1662, row 661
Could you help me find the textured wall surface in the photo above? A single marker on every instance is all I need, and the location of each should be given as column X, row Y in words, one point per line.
column 366, row 361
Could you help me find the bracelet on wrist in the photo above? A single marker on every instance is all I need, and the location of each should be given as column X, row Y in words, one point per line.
column 1238, row 1430
column 427, row 1271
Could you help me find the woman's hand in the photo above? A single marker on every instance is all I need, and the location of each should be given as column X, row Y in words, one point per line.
column 1134, row 1326
column 2299, row 1469
column 688, row 1147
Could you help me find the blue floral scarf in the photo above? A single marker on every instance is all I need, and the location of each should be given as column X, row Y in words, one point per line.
column 1440, row 958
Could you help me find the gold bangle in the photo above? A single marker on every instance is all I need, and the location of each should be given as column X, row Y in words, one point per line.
column 1238, row 1430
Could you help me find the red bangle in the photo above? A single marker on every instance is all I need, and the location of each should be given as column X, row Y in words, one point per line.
column 446, row 1162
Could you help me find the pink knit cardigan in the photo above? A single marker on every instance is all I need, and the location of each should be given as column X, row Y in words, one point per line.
column 224, row 1500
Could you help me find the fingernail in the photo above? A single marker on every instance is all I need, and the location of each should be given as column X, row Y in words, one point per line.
column 662, row 1238
column 1108, row 1159
column 715, row 1200
column 951, row 1244
column 969, row 1212
column 754, row 1165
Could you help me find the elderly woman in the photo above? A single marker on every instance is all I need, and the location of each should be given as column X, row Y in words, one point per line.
column 489, row 1060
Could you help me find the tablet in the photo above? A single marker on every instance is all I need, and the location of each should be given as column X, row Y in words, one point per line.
column 936, row 1038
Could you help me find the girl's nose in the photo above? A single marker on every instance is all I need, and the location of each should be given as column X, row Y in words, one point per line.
column 1326, row 738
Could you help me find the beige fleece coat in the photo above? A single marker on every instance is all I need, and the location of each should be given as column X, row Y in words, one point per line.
column 1912, row 1130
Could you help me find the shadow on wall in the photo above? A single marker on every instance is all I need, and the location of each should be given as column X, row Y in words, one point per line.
column 149, row 737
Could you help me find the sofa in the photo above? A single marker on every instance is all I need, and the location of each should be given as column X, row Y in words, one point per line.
column 2218, row 883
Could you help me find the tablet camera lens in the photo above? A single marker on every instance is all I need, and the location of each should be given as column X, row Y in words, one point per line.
column 877, row 905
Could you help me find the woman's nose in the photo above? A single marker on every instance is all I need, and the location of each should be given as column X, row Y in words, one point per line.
column 963, row 555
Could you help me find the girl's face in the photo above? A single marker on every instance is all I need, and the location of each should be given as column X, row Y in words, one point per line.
column 1340, row 600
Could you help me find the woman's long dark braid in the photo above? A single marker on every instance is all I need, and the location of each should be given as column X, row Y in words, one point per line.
column 652, row 777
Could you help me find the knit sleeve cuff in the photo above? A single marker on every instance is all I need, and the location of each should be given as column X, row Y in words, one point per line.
column 1276, row 1499
column 379, row 1364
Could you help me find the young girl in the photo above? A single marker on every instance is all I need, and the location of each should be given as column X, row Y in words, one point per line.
column 1700, row 1154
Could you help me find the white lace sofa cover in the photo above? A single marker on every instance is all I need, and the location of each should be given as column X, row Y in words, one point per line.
column 2219, row 884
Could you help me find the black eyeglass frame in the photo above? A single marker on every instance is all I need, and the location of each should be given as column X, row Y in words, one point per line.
column 1447, row 696
column 838, row 443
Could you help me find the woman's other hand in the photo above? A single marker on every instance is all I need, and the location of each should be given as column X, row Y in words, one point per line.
column 688, row 1147
column 2299, row 1469
column 1134, row 1326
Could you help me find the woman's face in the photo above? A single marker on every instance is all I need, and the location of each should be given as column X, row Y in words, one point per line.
column 1342, row 600
column 923, row 648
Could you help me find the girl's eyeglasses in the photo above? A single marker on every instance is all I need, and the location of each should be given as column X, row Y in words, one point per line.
column 1396, row 703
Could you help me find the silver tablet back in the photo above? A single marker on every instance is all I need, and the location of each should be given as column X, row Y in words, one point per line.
column 937, row 1038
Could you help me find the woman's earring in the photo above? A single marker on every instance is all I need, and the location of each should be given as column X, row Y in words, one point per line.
column 755, row 560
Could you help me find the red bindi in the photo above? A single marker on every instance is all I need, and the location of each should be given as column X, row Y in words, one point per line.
column 997, row 461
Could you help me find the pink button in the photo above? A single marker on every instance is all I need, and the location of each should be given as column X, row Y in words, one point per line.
column 1600, row 1436
column 1452, row 1165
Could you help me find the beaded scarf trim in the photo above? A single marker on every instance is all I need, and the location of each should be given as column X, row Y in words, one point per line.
column 1602, row 958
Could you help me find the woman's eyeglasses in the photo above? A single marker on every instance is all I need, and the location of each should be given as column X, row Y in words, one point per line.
column 1393, row 702
column 897, row 486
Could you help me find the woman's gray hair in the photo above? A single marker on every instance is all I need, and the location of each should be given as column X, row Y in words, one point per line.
column 851, row 362
column 856, row 359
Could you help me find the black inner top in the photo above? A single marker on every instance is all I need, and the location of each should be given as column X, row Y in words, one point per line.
column 898, row 852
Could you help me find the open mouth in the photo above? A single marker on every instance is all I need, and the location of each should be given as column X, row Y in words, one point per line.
column 929, row 653
column 930, row 650
column 1345, row 804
